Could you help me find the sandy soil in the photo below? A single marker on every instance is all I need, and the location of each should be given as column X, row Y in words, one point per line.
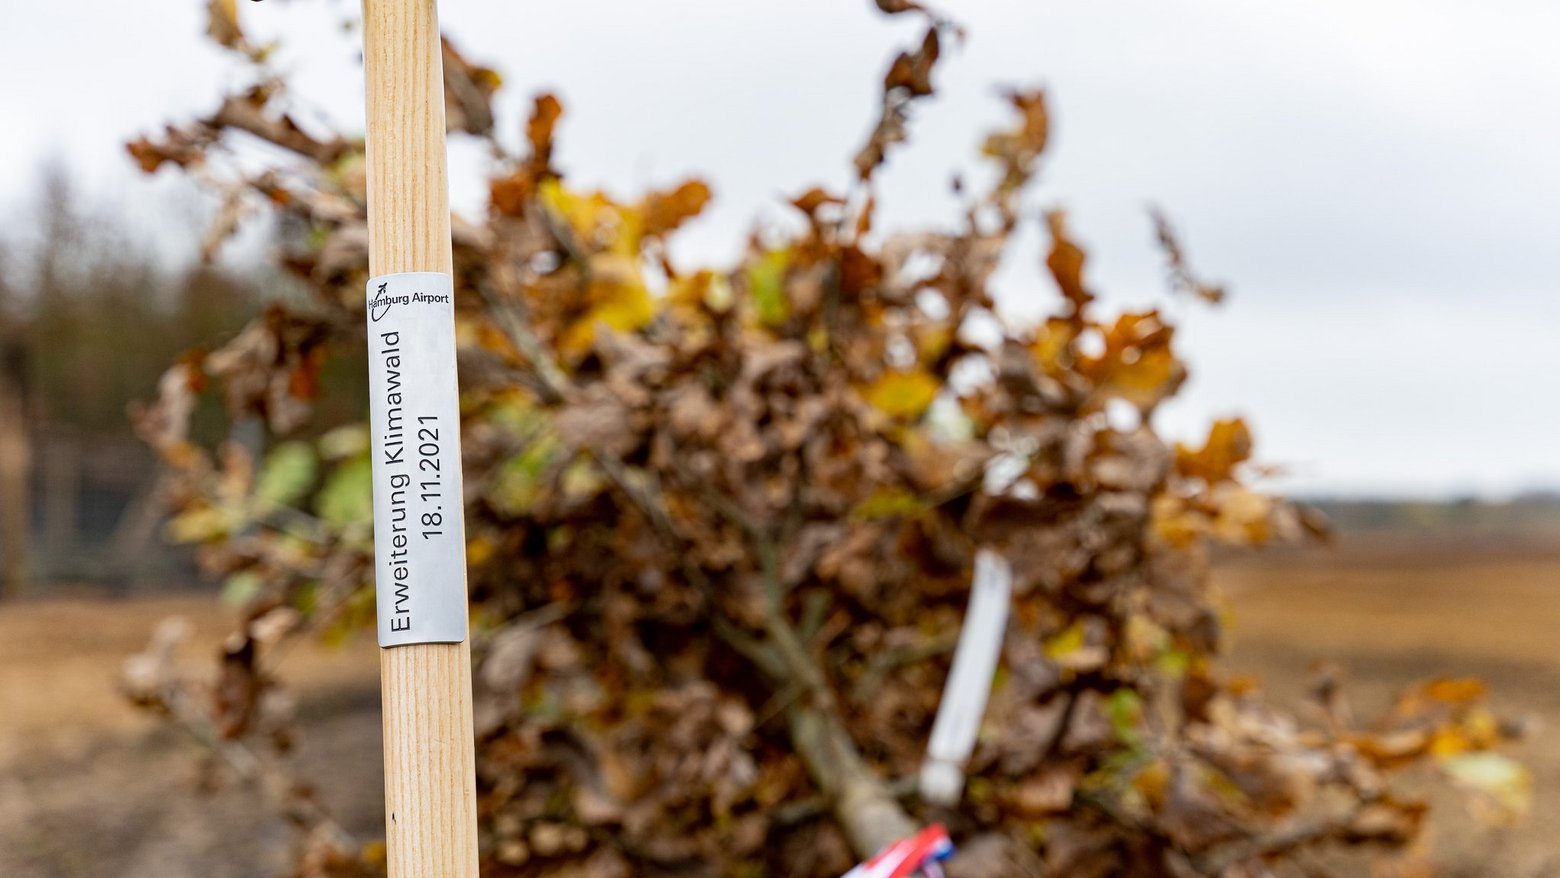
column 1401, row 612
column 89, row 788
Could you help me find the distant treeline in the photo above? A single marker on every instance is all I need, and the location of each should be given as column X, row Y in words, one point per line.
column 98, row 315
column 1534, row 513
column 90, row 317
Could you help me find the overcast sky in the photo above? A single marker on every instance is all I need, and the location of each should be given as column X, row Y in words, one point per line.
column 1376, row 179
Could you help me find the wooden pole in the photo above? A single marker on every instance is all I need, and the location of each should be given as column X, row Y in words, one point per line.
column 430, row 787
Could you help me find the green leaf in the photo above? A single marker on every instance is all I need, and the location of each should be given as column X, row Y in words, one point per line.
column 1125, row 709
column 355, row 613
column 344, row 442
column 1504, row 780
column 240, row 588
column 519, row 481
column 766, row 283
column 286, row 475
column 348, row 496
column 1173, row 663
column 306, row 597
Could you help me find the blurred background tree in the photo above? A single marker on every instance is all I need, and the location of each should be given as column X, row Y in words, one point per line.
column 89, row 317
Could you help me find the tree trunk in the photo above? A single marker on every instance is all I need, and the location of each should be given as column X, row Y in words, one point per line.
column 15, row 472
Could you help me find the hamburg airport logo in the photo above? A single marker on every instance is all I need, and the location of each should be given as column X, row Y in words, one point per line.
column 379, row 306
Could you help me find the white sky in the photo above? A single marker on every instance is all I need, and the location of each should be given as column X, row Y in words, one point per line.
column 1377, row 179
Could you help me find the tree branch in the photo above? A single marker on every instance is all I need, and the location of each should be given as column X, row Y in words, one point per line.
column 862, row 803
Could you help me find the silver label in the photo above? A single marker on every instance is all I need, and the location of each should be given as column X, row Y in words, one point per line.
column 414, row 410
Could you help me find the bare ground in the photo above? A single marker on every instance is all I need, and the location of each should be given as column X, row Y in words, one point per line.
column 89, row 788
column 1397, row 612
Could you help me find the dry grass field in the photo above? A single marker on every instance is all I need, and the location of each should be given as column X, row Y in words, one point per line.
column 90, row 788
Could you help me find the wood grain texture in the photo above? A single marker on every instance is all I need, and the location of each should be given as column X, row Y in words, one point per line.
column 430, row 786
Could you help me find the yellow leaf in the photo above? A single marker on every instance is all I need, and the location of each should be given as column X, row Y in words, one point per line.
column 1241, row 517
column 375, row 852
column 904, row 395
column 222, row 23
column 1066, row 641
column 931, row 342
column 1460, row 690
column 1176, row 524
column 1138, row 364
column 1052, row 347
column 1146, row 380
column 888, row 502
column 1072, row 649
column 1228, row 446
column 599, row 223
column 480, row 550
column 623, row 305
column 1153, row 782
column 1143, row 637
column 202, row 523
column 1391, row 749
column 1505, row 782
column 697, row 290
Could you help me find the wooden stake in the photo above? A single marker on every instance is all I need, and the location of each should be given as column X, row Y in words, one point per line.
column 430, row 786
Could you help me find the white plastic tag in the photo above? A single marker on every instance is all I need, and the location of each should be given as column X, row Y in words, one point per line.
column 969, row 681
column 414, row 412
